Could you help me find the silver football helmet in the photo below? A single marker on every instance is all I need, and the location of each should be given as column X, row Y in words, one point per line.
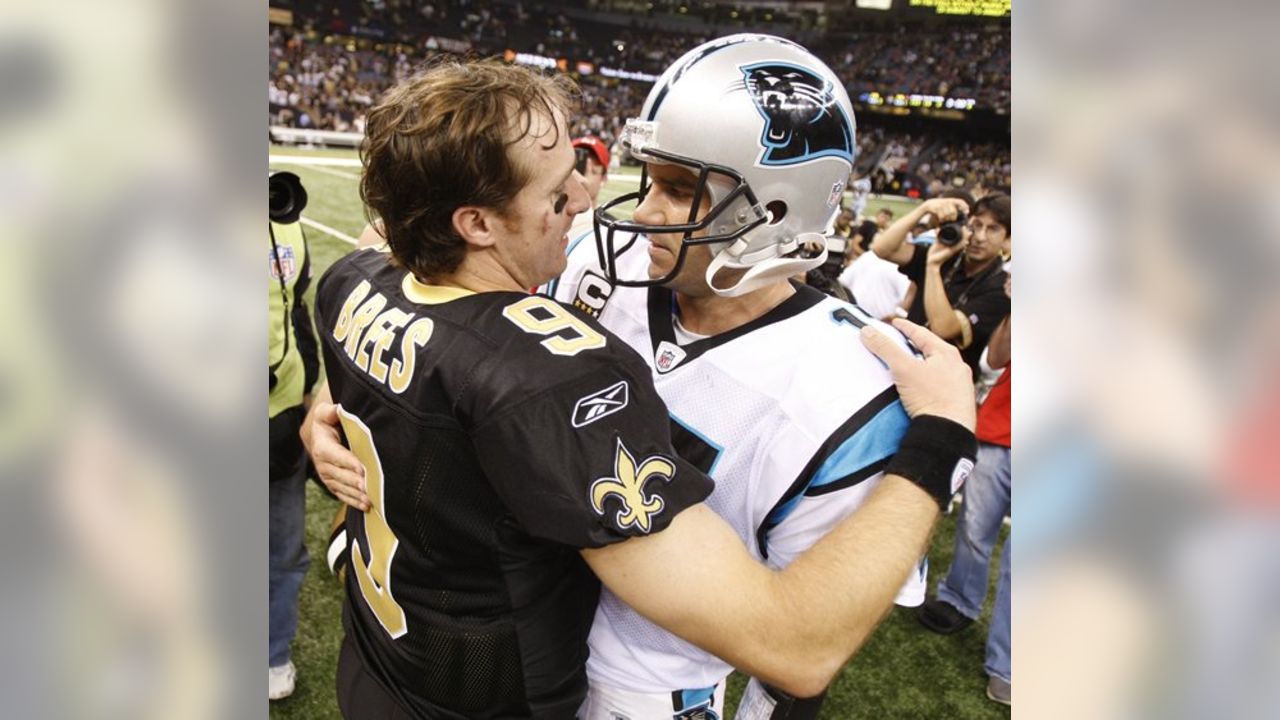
column 768, row 130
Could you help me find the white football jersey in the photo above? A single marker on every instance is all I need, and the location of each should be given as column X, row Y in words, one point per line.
column 790, row 415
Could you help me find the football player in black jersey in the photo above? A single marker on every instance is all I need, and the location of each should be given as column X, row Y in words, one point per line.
column 504, row 438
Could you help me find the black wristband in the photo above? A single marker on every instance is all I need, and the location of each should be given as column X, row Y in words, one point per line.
column 937, row 454
column 789, row 707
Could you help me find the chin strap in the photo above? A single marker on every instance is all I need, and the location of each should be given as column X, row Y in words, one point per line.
column 763, row 267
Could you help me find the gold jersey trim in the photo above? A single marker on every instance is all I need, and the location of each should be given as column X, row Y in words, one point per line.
column 424, row 294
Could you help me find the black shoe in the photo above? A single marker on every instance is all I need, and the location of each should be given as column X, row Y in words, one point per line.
column 942, row 617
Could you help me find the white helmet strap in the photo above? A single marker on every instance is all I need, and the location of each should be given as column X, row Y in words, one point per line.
column 761, row 268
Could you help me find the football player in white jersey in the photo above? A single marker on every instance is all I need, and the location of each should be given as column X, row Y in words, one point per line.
column 747, row 143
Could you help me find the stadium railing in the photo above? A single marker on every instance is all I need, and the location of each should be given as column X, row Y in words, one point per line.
column 303, row 136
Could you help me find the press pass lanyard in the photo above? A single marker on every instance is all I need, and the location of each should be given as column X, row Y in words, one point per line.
column 284, row 297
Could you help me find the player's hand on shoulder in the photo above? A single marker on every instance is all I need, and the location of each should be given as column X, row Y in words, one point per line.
column 939, row 384
column 338, row 468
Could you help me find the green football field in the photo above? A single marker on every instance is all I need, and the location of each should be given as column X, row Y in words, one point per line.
column 904, row 671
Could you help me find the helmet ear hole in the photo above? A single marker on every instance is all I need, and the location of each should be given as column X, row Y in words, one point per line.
column 777, row 210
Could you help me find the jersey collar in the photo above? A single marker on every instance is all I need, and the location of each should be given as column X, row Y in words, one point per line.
column 423, row 294
column 662, row 309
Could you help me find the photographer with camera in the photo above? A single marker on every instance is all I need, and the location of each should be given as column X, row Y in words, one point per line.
column 960, row 276
column 293, row 368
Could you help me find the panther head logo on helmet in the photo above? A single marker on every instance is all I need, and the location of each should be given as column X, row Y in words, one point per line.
column 803, row 120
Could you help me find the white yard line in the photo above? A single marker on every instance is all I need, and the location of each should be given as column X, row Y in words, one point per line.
column 328, row 230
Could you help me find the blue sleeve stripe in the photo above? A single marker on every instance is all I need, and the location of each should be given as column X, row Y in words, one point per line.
column 849, row 480
column 874, row 443
column 858, row 449
column 690, row 699
column 860, row 457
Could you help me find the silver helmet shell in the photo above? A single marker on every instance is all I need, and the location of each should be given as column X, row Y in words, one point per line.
column 769, row 131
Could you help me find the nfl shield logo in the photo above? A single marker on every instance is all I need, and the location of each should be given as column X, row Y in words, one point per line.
column 282, row 264
column 837, row 193
column 668, row 356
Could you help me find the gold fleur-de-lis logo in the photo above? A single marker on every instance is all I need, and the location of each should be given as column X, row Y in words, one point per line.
column 638, row 508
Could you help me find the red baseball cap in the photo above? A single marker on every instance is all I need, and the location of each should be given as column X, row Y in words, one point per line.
column 597, row 148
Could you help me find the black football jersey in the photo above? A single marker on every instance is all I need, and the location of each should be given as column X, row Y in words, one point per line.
column 500, row 433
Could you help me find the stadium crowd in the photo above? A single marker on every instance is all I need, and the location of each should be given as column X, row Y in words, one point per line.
column 967, row 164
column 966, row 63
column 317, row 82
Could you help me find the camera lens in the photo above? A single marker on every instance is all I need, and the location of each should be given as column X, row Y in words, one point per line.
column 286, row 197
column 952, row 232
column 281, row 200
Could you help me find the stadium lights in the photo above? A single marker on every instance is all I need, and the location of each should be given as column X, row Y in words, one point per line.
column 583, row 67
column 917, row 100
column 627, row 74
column 541, row 61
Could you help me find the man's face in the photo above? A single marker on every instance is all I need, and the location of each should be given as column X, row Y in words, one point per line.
column 845, row 219
column 536, row 221
column 594, row 178
column 667, row 203
column 987, row 237
column 883, row 218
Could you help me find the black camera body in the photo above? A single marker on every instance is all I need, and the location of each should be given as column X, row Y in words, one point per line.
column 953, row 232
column 286, row 197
